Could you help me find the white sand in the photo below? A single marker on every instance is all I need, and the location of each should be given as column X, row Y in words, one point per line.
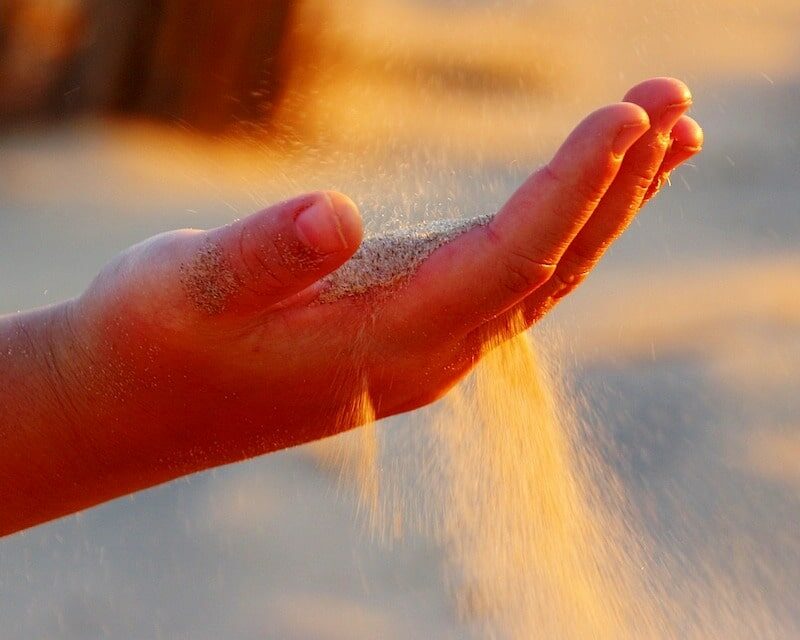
column 385, row 262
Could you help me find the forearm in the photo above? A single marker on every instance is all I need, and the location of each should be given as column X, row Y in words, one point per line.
column 39, row 451
column 56, row 432
column 88, row 413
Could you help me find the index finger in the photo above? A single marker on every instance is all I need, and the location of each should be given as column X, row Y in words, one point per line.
column 493, row 266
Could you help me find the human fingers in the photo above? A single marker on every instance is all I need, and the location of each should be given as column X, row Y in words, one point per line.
column 687, row 141
column 490, row 268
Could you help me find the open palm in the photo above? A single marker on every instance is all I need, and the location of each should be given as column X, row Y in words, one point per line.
column 220, row 346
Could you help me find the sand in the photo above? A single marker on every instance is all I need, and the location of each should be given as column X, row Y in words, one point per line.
column 209, row 280
column 381, row 264
column 385, row 262
column 536, row 533
column 536, row 528
column 533, row 527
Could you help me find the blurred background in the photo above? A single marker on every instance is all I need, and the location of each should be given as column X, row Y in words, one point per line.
column 121, row 120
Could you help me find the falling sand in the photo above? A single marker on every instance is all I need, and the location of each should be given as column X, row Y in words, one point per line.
column 538, row 537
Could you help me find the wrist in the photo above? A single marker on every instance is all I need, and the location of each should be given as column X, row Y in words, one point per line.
column 46, row 454
column 115, row 409
column 68, row 440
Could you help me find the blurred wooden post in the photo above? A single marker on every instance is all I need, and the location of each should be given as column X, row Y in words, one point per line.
column 209, row 64
column 38, row 39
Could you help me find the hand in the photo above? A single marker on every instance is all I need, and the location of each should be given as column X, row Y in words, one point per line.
column 198, row 348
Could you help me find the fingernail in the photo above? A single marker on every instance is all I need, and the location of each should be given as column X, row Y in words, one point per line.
column 318, row 226
column 627, row 135
column 671, row 115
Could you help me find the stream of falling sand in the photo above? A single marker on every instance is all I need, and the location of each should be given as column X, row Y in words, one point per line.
column 538, row 536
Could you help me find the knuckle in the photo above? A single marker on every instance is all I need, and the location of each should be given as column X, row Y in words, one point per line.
column 565, row 282
column 260, row 270
column 660, row 180
column 588, row 186
column 582, row 256
column 523, row 273
column 554, row 176
column 641, row 181
column 209, row 277
column 662, row 140
column 637, row 185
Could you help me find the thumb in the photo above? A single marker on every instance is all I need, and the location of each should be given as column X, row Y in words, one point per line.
column 256, row 262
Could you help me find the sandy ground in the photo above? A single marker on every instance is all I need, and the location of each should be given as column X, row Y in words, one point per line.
column 685, row 345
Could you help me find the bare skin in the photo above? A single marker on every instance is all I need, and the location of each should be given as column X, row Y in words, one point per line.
column 198, row 348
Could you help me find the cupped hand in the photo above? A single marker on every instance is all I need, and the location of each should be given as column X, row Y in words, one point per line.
column 205, row 347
